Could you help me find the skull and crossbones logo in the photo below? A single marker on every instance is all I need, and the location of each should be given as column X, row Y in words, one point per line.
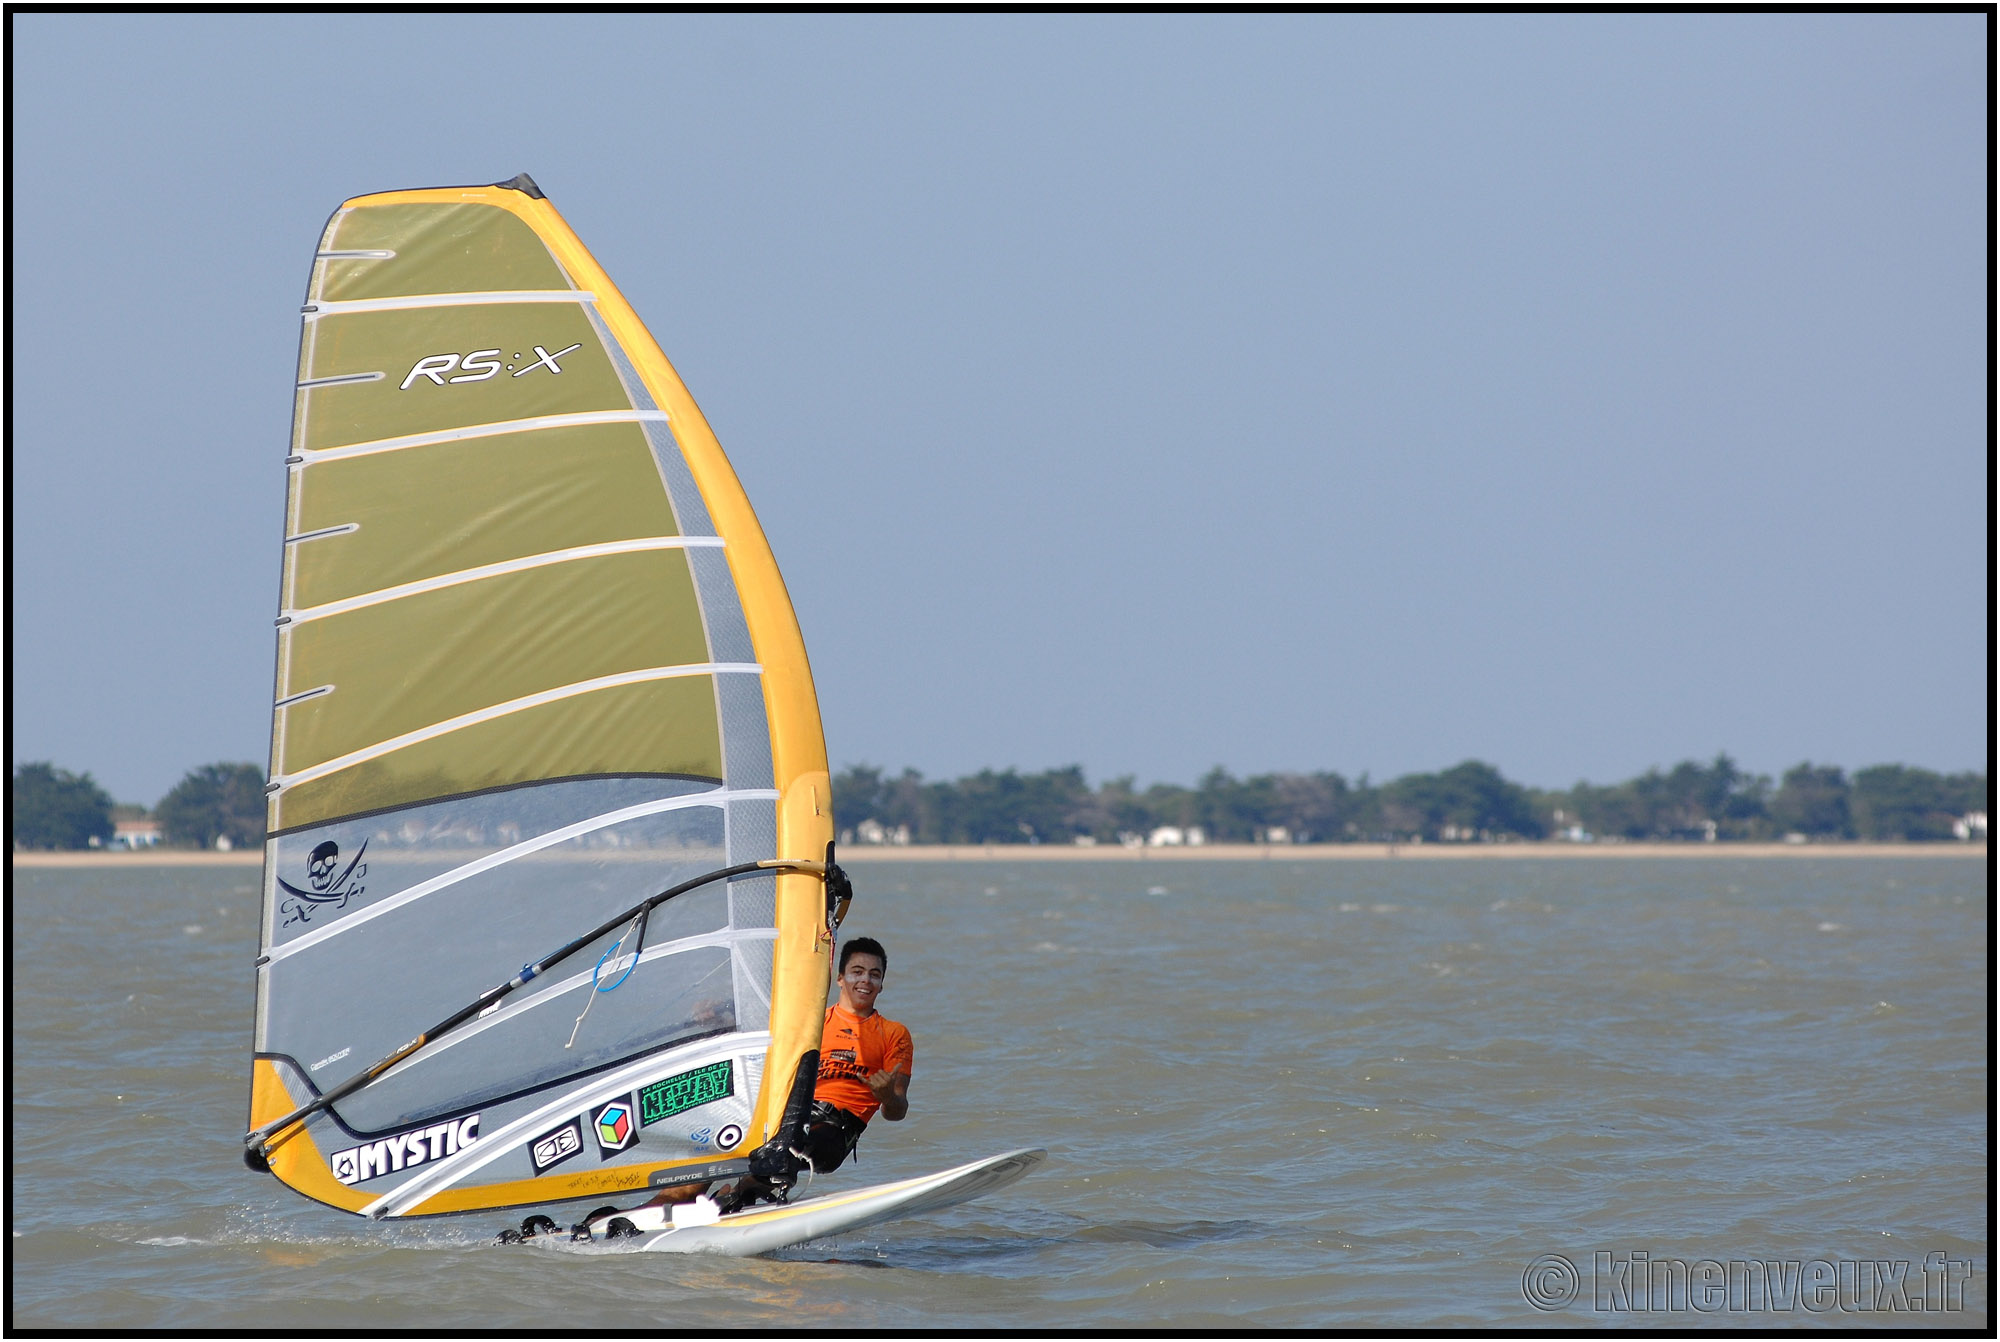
column 328, row 888
column 319, row 868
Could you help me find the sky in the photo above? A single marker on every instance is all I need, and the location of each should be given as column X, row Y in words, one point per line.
column 1578, row 393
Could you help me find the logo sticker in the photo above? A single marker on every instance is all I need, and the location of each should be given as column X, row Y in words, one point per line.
column 372, row 1160
column 552, row 1149
column 616, row 1126
column 331, row 1058
column 678, row 1094
column 327, row 890
column 723, row 1138
column 482, row 364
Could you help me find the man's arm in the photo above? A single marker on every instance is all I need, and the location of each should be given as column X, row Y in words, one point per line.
column 892, row 1088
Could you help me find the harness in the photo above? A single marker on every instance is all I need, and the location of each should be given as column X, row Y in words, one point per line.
column 825, row 1111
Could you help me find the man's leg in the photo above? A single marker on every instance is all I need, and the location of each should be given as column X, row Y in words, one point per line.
column 773, row 1168
column 826, row 1145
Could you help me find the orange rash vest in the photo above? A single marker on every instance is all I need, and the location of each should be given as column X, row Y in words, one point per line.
column 851, row 1049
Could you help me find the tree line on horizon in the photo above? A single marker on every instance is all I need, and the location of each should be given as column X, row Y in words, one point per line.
column 51, row 808
column 54, row 808
column 1470, row 802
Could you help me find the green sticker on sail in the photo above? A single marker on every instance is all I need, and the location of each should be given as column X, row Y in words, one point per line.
column 689, row 1090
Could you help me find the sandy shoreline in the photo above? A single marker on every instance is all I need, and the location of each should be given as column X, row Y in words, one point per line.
column 1213, row 852
column 1340, row 852
column 171, row 858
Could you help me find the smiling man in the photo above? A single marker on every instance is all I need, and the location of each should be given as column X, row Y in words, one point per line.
column 864, row 1057
column 864, row 1069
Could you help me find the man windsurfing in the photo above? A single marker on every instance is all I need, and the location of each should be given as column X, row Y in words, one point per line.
column 864, row 1069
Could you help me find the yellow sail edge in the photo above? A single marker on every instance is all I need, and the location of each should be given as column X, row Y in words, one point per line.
column 801, row 963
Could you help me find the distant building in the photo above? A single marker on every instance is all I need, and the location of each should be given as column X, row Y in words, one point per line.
column 1971, row 825
column 135, row 834
column 1569, row 830
column 1173, row 836
column 872, row 830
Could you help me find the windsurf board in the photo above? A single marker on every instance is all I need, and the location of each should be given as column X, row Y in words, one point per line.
column 761, row 1229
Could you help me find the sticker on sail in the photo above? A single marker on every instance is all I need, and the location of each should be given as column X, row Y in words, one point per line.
column 722, row 1139
column 327, row 890
column 689, row 1090
column 480, row 365
column 553, row 1148
column 390, row 1155
column 616, row 1126
column 331, row 1058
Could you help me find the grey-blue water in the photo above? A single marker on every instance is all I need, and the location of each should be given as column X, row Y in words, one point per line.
column 1275, row 1094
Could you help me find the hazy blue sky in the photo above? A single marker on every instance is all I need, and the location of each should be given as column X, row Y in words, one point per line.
column 1578, row 393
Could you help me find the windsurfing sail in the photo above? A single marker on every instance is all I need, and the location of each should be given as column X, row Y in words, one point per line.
column 535, row 668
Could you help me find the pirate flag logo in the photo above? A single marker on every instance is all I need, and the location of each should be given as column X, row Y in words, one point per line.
column 328, row 890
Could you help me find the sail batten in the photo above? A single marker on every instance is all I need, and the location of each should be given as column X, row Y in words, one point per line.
column 323, row 532
column 570, row 555
column 333, row 307
column 307, row 456
column 341, row 379
column 535, row 666
column 521, row 705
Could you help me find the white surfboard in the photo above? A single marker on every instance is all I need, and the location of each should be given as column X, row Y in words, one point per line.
column 761, row 1229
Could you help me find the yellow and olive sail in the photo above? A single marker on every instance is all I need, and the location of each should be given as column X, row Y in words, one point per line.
column 535, row 667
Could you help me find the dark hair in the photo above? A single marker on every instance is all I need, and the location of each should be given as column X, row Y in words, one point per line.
column 863, row 946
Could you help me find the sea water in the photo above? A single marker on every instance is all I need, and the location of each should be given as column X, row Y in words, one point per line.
column 1278, row 1094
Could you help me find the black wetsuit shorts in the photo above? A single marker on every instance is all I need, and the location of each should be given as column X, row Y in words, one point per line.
column 829, row 1137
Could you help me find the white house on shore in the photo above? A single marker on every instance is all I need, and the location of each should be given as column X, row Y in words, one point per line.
column 135, row 834
column 872, row 830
